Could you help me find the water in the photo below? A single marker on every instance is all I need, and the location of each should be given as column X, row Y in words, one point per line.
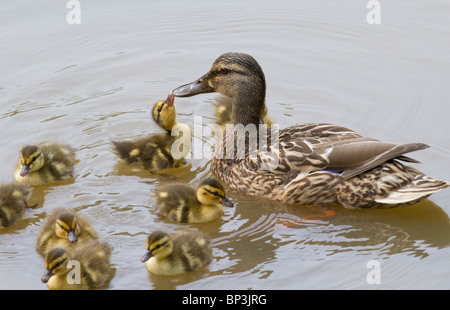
column 89, row 83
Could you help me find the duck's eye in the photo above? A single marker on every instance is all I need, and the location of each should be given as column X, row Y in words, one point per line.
column 160, row 109
column 224, row 70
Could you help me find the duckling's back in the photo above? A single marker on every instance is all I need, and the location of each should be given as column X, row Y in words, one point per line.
column 59, row 158
column 94, row 258
column 177, row 202
column 192, row 249
column 13, row 202
column 152, row 152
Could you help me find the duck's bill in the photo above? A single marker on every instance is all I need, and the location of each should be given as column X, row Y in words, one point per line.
column 227, row 203
column 199, row 86
column 47, row 275
column 146, row 256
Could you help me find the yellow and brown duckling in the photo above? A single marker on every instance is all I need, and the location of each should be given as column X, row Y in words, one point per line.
column 45, row 163
column 64, row 228
column 176, row 254
column 89, row 264
column 313, row 164
column 182, row 203
column 13, row 202
column 154, row 152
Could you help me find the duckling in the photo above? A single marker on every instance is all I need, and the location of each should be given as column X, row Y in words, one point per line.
column 45, row 163
column 176, row 254
column 155, row 152
column 223, row 110
column 182, row 203
column 88, row 264
column 13, row 202
column 313, row 164
column 64, row 228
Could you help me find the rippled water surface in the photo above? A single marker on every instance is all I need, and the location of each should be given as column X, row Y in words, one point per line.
column 92, row 82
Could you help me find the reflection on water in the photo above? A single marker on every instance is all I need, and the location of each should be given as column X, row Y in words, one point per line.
column 95, row 82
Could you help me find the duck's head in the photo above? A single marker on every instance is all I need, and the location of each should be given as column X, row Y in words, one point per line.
column 67, row 227
column 159, row 244
column 164, row 113
column 31, row 159
column 55, row 263
column 211, row 192
column 235, row 75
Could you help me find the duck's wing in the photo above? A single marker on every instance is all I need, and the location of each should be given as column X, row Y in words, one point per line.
column 315, row 147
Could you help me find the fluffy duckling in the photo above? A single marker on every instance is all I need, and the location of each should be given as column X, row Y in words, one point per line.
column 45, row 163
column 63, row 229
column 176, row 254
column 154, row 152
column 89, row 264
column 223, row 111
column 13, row 202
column 182, row 203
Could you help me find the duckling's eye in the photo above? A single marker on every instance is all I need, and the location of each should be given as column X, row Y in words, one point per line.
column 224, row 70
column 159, row 245
column 35, row 157
column 160, row 109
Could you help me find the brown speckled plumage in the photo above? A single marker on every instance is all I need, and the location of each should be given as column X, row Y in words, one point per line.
column 317, row 163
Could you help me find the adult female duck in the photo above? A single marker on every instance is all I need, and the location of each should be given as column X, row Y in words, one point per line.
column 317, row 163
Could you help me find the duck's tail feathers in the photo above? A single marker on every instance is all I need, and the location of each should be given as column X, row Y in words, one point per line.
column 420, row 188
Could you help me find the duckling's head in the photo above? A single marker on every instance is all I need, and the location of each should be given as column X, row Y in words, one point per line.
column 159, row 244
column 235, row 75
column 31, row 159
column 67, row 227
column 164, row 113
column 211, row 192
column 55, row 263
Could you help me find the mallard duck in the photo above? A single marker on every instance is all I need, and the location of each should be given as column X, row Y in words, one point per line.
column 13, row 202
column 182, row 203
column 176, row 254
column 223, row 111
column 45, row 163
column 155, row 151
column 311, row 164
column 63, row 229
column 88, row 264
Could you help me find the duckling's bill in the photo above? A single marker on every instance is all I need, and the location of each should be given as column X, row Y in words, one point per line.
column 226, row 202
column 146, row 256
column 47, row 275
column 25, row 170
column 72, row 236
column 169, row 100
